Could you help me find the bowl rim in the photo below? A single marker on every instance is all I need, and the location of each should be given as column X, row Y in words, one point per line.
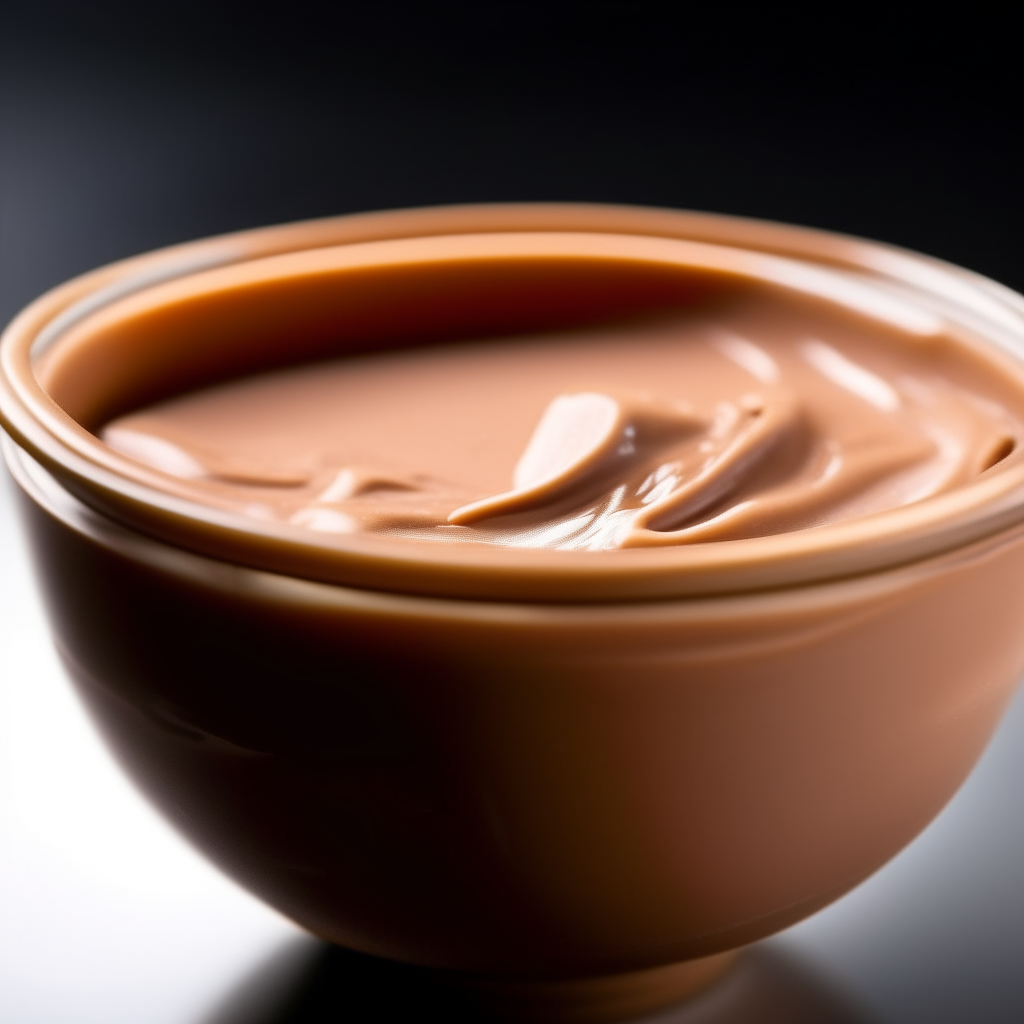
column 971, row 304
column 820, row 598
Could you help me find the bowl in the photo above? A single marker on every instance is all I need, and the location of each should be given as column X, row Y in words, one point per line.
column 572, row 782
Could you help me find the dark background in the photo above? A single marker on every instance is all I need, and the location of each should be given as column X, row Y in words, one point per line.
column 127, row 126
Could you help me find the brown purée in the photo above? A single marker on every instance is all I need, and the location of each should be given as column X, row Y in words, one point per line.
column 755, row 414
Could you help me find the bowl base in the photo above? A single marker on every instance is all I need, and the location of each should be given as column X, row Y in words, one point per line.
column 595, row 1000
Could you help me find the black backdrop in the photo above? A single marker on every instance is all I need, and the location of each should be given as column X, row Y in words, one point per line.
column 131, row 125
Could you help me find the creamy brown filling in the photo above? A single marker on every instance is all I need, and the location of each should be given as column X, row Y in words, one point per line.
column 764, row 415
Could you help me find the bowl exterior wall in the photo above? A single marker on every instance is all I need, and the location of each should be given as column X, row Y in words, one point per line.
column 533, row 789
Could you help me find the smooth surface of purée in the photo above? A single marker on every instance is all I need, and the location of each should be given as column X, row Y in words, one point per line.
column 756, row 413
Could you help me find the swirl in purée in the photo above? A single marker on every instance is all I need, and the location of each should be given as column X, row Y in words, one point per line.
column 813, row 437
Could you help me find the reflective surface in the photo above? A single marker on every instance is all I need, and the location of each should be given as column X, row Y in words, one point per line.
column 328, row 985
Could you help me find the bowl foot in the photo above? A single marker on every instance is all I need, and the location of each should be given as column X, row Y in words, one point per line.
column 594, row 1000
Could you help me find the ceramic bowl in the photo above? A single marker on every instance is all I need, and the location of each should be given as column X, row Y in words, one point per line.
column 575, row 800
